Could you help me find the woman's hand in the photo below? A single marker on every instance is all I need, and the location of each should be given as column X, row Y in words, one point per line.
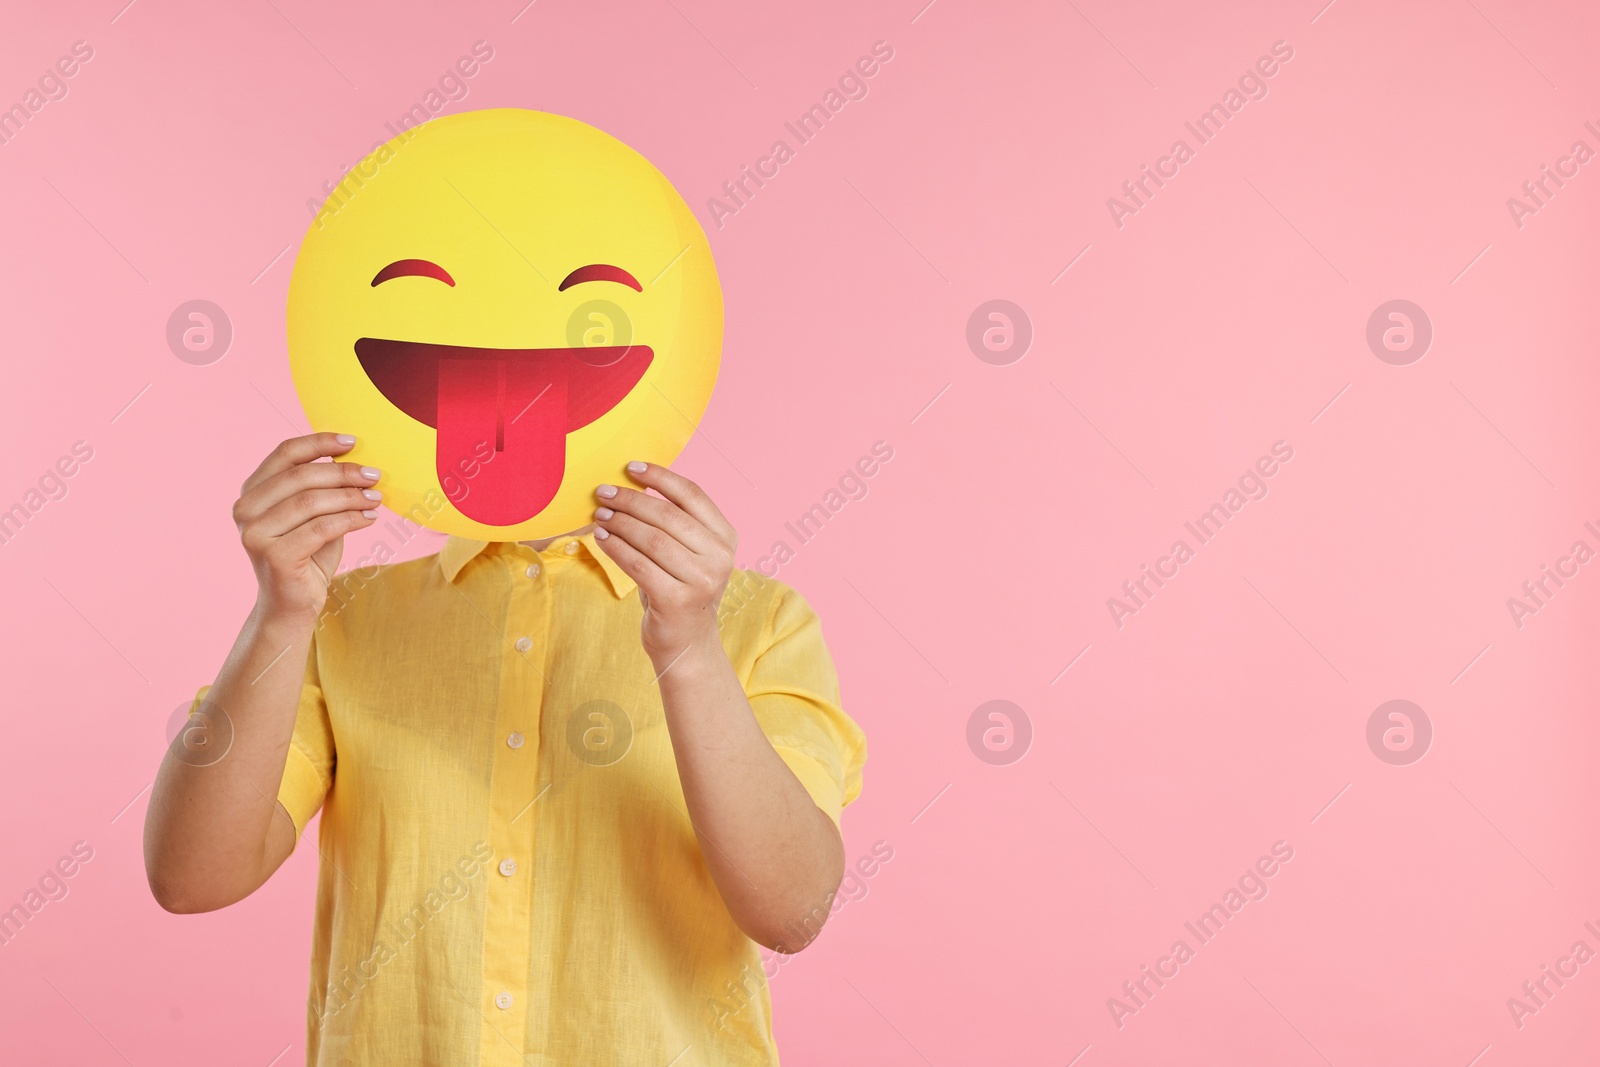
column 680, row 552
column 776, row 858
column 293, row 513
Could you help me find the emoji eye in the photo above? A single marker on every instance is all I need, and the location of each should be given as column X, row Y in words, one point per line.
column 413, row 268
column 600, row 272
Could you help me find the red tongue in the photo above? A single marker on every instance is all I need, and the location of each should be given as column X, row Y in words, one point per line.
column 502, row 435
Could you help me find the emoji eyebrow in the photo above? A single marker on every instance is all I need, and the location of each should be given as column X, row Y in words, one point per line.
column 413, row 268
column 600, row 272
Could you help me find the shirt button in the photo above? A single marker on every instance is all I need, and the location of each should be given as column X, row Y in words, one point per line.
column 508, row 866
column 533, row 570
column 502, row 1000
column 572, row 548
column 523, row 644
column 515, row 740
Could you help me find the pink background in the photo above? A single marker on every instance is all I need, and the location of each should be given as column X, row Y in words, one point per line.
column 1228, row 714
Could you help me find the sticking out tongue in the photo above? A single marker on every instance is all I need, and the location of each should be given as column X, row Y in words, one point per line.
column 502, row 434
column 502, row 414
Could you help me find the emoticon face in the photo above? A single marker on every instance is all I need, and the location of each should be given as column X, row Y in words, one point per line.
column 504, row 307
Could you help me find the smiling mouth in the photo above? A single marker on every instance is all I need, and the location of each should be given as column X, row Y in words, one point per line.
column 502, row 414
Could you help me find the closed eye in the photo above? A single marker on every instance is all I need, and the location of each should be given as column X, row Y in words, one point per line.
column 600, row 272
column 413, row 268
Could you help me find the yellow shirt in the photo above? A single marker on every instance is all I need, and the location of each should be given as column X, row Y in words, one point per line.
column 509, row 875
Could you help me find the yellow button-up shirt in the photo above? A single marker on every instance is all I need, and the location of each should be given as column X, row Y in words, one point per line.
column 509, row 875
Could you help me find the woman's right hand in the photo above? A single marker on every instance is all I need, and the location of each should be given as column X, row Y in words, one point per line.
column 293, row 513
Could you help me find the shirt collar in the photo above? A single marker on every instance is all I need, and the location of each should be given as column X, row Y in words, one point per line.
column 457, row 552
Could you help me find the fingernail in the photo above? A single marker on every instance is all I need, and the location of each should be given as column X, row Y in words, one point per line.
column 603, row 513
column 345, row 439
column 602, row 534
column 637, row 467
column 607, row 491
column 369, row 514
column 370, row 473
column 372, row 494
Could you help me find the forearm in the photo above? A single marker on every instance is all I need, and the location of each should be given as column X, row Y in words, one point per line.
column 214, row 831
column 775, row 856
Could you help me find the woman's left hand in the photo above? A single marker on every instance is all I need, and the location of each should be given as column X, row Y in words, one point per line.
column 678, row 549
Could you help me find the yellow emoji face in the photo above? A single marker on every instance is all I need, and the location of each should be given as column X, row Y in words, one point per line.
column 504, row 307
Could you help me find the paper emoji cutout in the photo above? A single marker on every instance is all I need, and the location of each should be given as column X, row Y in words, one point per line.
column 504, row 307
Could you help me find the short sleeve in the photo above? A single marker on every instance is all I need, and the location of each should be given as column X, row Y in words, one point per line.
column 308, row 767
column 794, row 692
